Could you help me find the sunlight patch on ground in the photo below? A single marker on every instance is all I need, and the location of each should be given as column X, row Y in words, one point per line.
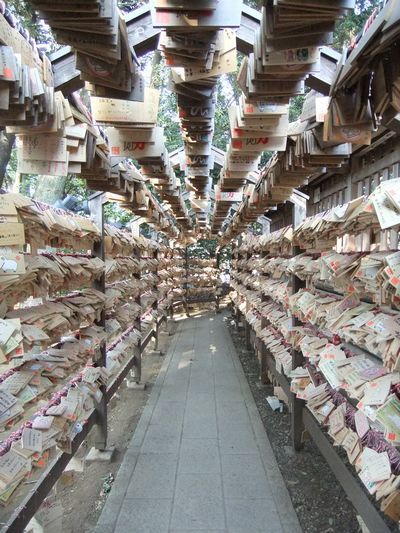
column 184, row 364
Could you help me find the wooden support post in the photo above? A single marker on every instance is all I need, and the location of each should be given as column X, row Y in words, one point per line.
column 186, row 284
column 155, row 307
column 96, row 203
column 247, row 334
column 136, row 372
column 264, row 322
column 263, row 364
column 297, row 426
column 156, row 333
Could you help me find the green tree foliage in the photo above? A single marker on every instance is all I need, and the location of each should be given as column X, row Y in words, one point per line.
column 25, row 13
column 255, row 4
column 256, row 228
column 351, row 25
column 28, row 185
column 145, row 230
column 114, row 213
column 129, row 5
column 28, row 17
column 296, row 106
column 203, row 248
column 225, row 256
column 168, row 109
column 76, row 187
column 208, row 248
column 221, row 120
column 265, row 157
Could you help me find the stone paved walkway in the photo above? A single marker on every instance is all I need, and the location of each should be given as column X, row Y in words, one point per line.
column 199, row 459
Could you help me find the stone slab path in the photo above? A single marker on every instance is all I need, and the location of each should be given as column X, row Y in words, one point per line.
column 199, row 460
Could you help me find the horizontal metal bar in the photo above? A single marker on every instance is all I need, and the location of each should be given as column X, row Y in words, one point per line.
column 371, row 516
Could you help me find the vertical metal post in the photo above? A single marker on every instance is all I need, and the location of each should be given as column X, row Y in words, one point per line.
column 96, row 206
column 297, row 426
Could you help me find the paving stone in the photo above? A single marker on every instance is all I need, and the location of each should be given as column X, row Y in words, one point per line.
column 252, row 515
column 199, row 456
column 200, row 402
column 252, row 486
column 144, row 516
column 201, row 486
column 244, row 475
column 100, row 528
column 196, row 513
column 200, row 429
column 232, row 411
column 157, row 442
column 198, row 531
column 237, row 439
column 168, row 412
column 154, row 476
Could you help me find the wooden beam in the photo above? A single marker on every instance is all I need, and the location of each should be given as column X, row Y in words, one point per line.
column 388, row 160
